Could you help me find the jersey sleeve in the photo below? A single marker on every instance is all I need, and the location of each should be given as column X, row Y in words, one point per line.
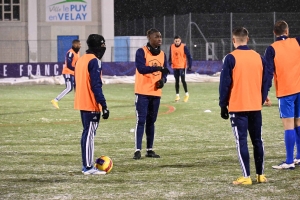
column 140, row 63
column 69, row 59
column 269, row 61
column 95, row 70
column 298, row 40
column 226, row 80
column 266, row 80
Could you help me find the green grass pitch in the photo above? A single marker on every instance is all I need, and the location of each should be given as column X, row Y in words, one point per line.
column 40, row 149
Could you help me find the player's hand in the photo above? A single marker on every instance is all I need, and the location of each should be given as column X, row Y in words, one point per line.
column 164, row 70
column 160, row 84
column 268, row 102
column 105, row 113
column 224, row 113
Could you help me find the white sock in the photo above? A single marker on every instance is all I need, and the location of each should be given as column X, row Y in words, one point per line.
column 177, row 95
column 186, row 94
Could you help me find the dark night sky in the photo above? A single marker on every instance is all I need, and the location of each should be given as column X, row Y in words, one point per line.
column 134, row 9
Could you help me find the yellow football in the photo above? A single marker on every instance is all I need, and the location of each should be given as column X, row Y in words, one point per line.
column 104, row 163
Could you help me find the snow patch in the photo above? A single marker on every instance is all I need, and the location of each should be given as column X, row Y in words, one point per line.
column 59, row 80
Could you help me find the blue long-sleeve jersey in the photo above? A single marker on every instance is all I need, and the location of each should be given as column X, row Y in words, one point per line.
column 69, row 59
column 142, row 68
column 188, row 56
column 95, row 69
column 226, row 78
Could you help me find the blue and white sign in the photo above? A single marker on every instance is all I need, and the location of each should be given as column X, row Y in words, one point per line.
column 68, row 10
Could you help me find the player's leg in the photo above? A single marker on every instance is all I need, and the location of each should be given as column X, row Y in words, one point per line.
column 239, row 123
column 176, row 76
column 286, row 110
column 141, row 105
column 255, row 132
column 297, row 129
column 182, row 76
column 69, row 81
column 73, row 81
column 90, row 121
column 153, row 108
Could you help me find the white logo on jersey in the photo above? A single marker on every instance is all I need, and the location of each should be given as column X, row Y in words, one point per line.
column 224, row 59
column 99, row 63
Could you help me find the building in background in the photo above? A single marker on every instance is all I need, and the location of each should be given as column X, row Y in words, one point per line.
column 42, row 30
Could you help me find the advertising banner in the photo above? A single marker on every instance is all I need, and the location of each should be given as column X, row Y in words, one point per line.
column 15, row 70
column 68, row 10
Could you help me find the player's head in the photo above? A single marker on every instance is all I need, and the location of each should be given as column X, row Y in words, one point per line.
column 177, row 40
column 281, row 28
column 76, row 45
column 240, row 36
column 154, row 37
column 96, row 44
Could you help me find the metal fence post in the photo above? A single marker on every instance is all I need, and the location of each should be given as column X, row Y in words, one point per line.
column 174, row 29
column 230, row 31
column 274, row 21
column 164, row 31
column 144, row 25
column 134, row 26
column 190, row 35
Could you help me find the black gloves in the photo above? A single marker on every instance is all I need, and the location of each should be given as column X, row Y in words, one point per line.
column 164, row 70
column 160, row 84
column 105, row 113
column 224, row 113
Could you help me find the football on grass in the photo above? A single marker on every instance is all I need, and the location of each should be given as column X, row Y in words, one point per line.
column 104, row 163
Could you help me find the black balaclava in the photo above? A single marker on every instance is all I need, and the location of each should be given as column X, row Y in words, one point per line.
column 75, row 49
column 94, row 43
column 154, row 51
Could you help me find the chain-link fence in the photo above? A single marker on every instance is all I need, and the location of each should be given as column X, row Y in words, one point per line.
column 208, row 36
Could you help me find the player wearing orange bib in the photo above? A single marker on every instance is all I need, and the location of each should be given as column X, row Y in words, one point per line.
column 179, row 58
column 283, row 57
column 89, row 99
column 68, row 71
column 244, row 85
column 151, row 74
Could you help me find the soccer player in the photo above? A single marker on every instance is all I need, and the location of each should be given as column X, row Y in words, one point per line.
column 68, row 71
column 150, row 76
column 179, row 58
column 283, row 57
column 89, row 99
column 243, row 89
